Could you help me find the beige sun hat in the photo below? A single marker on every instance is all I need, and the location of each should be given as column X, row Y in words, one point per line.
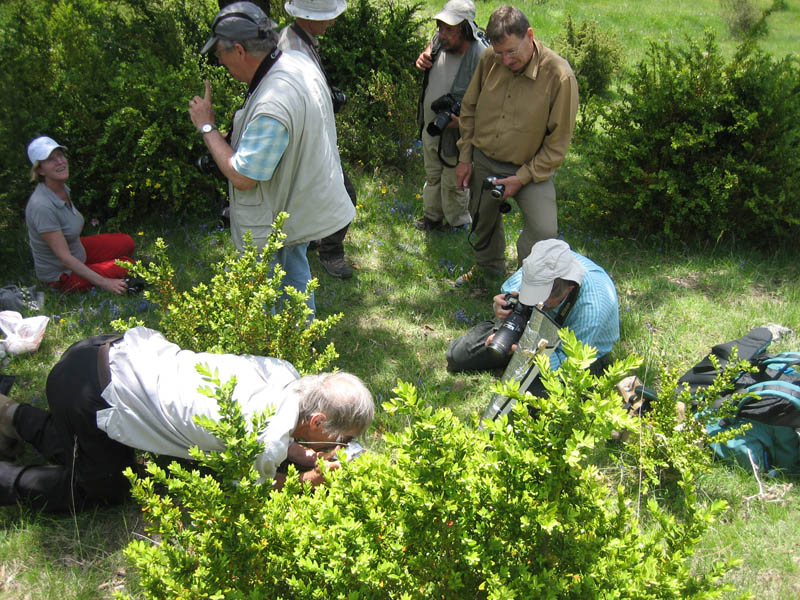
column 315, row 10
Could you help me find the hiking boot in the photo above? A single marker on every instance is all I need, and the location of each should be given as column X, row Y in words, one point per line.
column 11, row 444
column 425, row 224
column 478, row 276
column 337, row 267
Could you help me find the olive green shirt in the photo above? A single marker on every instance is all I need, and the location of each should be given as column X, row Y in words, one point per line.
column 523, row 118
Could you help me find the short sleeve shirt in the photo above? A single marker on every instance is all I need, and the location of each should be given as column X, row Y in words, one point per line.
column 260, row 150
column 45, row 213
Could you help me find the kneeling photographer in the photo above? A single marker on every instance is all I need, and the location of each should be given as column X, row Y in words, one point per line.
column 572, row 290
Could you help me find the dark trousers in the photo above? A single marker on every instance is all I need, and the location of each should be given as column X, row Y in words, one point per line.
column 333, row 245
column 469, row 353
column 87, row 465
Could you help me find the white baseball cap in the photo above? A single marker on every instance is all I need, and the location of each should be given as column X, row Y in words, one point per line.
column 548, row 260
column 42, row 147
column 315, row 10
column 456, row 11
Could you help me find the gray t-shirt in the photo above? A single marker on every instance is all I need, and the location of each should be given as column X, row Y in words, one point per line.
column 46, row 212
column 440, row 81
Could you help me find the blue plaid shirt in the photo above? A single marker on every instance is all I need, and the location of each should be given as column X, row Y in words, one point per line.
column 260, row 150
column 595, row 317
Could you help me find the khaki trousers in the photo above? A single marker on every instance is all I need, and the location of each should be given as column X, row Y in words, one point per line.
column 536, row 201
column 441, row 197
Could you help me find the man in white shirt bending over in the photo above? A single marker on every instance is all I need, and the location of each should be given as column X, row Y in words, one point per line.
column 109, row 395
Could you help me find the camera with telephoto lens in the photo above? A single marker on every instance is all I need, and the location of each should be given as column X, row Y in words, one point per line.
column 338, row 97
column 496, row 190
column 444, row 107
column 206, row 164
column 511, row 329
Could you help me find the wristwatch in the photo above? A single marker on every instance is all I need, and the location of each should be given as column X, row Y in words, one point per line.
column 207, row 128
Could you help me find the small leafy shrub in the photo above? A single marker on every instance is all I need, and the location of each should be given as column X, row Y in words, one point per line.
column 377, row 126
column 448, row 511
column 595, row 56
column 232, row 313
column 669, row 468
column 743, row 19
column 111, row 81
column 700, row 147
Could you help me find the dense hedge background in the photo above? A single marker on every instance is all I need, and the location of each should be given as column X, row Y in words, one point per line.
column 701, row 147
column 689, row 146
column 111, row 81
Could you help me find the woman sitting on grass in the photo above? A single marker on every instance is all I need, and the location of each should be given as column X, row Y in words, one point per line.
column 63, row 259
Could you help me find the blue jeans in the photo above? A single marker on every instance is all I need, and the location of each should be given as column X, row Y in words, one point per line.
column 294, row 261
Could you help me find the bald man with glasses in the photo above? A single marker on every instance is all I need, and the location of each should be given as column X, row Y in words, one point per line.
column 517, row 119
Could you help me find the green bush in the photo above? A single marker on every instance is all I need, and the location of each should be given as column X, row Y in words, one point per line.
column 595, row 56
column 111, row 81
column 232, row 313
column 743, row 19
column 448, row 511
column 700, row 147
column 377, row 126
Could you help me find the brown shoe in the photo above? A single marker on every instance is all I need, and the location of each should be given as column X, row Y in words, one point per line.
column 11, row 444
column 478, row 276
column 337, row 267
column 425, row 224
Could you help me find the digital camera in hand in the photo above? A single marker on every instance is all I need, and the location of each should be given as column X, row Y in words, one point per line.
column 511, row 329
column 206, row 164
column 496, row 190
column 444, row 107
column 338, row 97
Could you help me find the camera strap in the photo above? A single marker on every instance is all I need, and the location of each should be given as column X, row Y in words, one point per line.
column 303, row 35
column 261, row 71
column 566, row 306
column 483, row 244
column 441, row 158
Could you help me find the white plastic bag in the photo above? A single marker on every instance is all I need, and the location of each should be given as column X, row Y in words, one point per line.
column 22, row 335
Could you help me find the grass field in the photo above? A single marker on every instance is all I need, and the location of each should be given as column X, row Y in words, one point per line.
column 400, row 313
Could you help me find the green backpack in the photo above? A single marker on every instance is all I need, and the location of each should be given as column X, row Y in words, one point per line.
column 771, row 407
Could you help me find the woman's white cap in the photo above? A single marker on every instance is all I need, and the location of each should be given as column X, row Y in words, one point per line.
column 41, row 148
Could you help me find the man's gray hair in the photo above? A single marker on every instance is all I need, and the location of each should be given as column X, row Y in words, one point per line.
column 255, row 46
column 342, row 397
column 506, row 20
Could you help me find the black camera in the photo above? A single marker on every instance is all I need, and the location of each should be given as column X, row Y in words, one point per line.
column 496, row 190
column 206, row 164
column 338, row 97
column 444, row 107
column 511, row 329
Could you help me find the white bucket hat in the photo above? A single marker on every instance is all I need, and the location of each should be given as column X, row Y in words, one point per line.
column 456, row 11
column 42, row 147
column 548, row 260
column 315, row 10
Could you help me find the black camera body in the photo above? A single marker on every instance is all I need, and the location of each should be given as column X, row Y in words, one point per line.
column 444, row 107
column 206, row 164
column 511, row 329
column 496, row 190
column 338, row 97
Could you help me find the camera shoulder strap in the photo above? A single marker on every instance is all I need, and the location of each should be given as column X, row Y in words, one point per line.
column 566, row 306
column 441, row 158
column 261, row 71
column 303, row 35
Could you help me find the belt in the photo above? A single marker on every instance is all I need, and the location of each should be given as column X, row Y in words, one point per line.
column 103, row 368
